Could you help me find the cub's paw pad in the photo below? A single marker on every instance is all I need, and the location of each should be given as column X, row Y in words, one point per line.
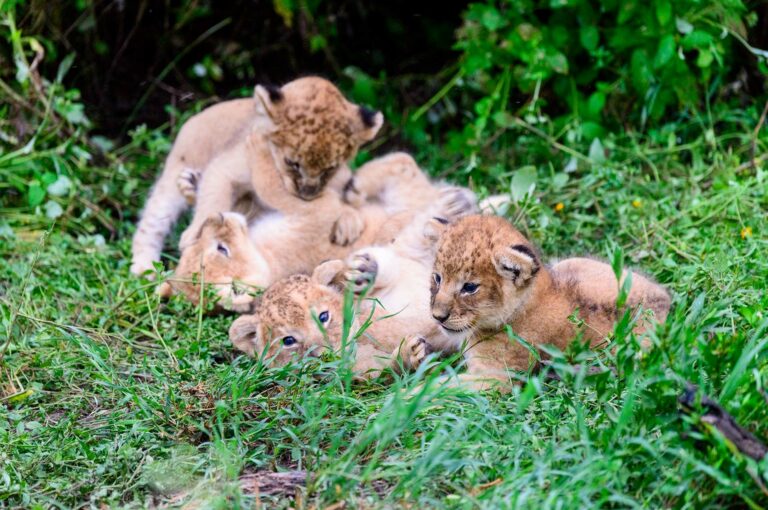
column 361, row 271
column 415, row 349
column 237, row 302
column 187, row 183
column 347, row 228
column 352, row 195
column 456, row 202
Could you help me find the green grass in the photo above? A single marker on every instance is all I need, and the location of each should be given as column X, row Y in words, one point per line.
column 110, row 397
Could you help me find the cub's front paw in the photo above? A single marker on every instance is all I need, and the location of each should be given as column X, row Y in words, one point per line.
column 352, row 195
column 187, row 184
column 361, row 271
column 414, row 350
column 456, row 202
column 347, row 228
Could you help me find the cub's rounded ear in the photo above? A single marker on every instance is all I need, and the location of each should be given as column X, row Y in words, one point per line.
column 370, row 123
column 268, row 99
column 244, row 334
column 434, row 228
column 330, row 274
column 518, row 263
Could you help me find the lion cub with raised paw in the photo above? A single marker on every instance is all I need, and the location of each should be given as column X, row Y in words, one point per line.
column 302, row 314
column 488, row 275
column 227, row 250
column 306, row 130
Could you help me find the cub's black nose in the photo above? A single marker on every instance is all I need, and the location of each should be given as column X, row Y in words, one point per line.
column 441, row 316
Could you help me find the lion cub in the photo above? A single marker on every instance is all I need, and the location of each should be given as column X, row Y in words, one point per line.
column 306, row 130
column 488, row 275
column 226, row 250
column 301, row 314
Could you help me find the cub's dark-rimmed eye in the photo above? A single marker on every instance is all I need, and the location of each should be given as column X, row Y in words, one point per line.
column 288, row 341
column 437, row 278
column 222, row 248
column 324, row 316
column 469, row 288
column 293, row 165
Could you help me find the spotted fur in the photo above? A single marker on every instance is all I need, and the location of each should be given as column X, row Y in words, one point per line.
column 514, row 288
column 284, row 146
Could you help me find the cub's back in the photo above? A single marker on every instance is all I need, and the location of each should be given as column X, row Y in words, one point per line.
column 592, row 286
column 212, row 130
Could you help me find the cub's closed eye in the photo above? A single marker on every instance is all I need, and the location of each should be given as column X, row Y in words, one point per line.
column 324, row 316
column 288, row 341
column 292, row 164
column 222, row 248
column 469, row 288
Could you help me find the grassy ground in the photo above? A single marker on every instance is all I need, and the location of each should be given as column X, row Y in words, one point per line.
column 111, row 398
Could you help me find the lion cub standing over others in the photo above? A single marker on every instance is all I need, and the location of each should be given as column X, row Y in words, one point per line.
column 232, row 255
column 306, row 130
column 488, row 275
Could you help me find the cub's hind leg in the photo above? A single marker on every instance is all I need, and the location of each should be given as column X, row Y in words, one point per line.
column 396, row 172
column 163, row 208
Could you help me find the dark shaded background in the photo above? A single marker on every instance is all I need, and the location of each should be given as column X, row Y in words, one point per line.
column 135, row 57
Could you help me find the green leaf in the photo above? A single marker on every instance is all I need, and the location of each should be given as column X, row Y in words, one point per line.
column 705, row 58
column 60, row 186
column 663, row 12
column 697, row 39
column 595, row 104
column 683, row 26
column 589, row 37
column 642, row 76
column 558, row 62
column 35, row 194
column 665, row 51
column 596, row 151
column 52, row 209
column 523, row 182
column 492, row 19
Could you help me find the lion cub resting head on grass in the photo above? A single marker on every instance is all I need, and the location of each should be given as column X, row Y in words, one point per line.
column 280, row 148
column 303, row 314
column 488, row 275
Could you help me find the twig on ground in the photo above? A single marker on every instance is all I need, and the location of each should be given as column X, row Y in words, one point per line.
column 716, row 416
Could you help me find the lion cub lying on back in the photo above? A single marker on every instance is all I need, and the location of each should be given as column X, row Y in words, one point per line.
column 303, row 314
column 306, row 131
column 487, row 275
column 392, row 189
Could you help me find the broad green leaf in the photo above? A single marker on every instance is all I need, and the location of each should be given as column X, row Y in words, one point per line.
column 60, row 186
column 705, row 58
column 523, row 182
column 589, row 37
column 665, row 51
column 595, row 104
column 596, row 151
column 35, row 194
column 683, row 26
column 642, row 76
column 492, row 19
column 52, row 209
column 663, row 12
column 558, row 62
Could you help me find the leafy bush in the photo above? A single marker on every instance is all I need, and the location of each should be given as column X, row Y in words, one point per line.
column 606, row 61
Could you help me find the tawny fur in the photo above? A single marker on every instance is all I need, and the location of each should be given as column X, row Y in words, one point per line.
column 306, row 131
column 278, row 245
column 396, row 278
column 515, row 288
